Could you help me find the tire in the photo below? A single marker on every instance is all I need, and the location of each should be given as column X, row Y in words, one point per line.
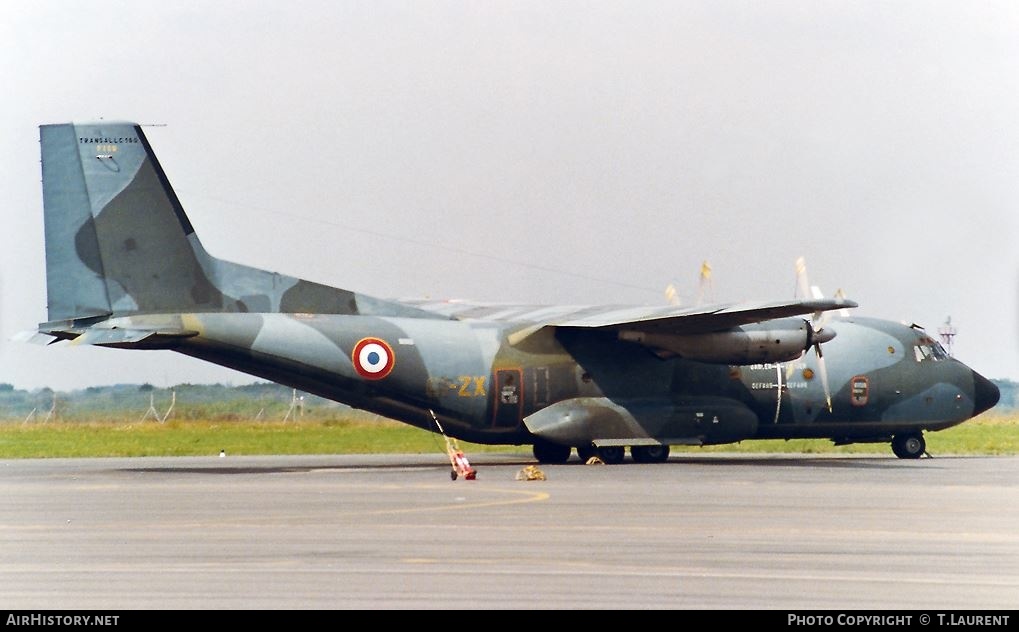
column 650, row 453
column 452, row 474
column 909, row 446
column 612, row 455
column 552, row 453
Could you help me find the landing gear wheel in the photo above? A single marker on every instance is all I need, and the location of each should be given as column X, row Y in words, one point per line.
column 452, row 474
column 553, row 453
column 909, row 446
column 586, row 452
column 650, row 453
column 612, row 454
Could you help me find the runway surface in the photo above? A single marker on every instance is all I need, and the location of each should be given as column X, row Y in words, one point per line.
column 388, row 532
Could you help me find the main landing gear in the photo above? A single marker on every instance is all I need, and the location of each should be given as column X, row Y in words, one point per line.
column 909, row 446
column 554, row 453
column 650, row 453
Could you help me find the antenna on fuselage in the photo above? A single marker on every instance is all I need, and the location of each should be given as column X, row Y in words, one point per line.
column 947, row 333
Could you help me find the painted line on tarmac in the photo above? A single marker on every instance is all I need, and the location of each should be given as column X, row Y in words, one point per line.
column 521, row 498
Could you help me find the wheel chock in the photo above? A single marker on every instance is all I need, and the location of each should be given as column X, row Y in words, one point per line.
column 530, row 473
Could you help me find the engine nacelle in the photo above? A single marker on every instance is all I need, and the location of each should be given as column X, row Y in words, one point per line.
column 778, row 340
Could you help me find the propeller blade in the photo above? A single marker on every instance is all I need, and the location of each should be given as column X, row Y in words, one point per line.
column 672, row 295
column 704, row 283
column 802, row 284
column 819, row 335
column 823, row 370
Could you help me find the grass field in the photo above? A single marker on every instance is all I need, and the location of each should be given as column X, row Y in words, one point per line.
column 989, row 435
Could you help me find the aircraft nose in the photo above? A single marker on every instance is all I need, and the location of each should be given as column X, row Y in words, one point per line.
column 985, row 394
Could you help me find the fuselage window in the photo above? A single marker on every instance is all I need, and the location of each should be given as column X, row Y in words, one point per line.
column 939, row 351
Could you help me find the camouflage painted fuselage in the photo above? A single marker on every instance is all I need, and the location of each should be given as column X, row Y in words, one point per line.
column 579, row 388
column 126, row 269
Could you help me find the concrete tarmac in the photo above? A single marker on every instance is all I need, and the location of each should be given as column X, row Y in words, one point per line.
column 393, row 532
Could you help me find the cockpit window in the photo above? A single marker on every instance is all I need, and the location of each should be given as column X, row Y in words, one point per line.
column 929, row 349
column 939, row 351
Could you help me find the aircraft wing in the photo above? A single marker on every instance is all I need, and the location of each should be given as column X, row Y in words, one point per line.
column 746, row 333
column 699, row 320
column 657, row 319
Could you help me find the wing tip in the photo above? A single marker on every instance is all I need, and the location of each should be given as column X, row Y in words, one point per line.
column 823, row 305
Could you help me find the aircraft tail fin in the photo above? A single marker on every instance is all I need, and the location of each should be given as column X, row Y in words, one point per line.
column 117, row 238
column 119, row 243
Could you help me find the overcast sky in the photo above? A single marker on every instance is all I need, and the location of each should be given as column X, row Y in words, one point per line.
column 579, row 152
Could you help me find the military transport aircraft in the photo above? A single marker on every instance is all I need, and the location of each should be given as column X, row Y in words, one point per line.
column 126, row 269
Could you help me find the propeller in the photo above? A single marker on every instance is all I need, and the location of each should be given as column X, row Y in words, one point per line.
column 818, row 334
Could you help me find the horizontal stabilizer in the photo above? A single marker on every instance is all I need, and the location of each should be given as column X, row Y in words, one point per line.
column 117, row 336
column 35, row 338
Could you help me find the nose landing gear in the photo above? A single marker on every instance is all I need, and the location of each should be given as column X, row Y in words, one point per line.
column 909, row 446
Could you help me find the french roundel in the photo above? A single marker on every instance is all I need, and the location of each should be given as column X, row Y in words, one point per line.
column 373, row 358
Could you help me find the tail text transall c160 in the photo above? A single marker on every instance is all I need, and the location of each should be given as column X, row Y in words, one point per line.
column 126, row 269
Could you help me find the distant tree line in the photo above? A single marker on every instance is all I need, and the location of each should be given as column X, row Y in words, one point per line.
column 213, row 401
column 199, row 401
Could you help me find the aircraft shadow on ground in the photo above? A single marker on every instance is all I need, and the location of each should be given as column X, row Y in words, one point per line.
column 853, row 463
